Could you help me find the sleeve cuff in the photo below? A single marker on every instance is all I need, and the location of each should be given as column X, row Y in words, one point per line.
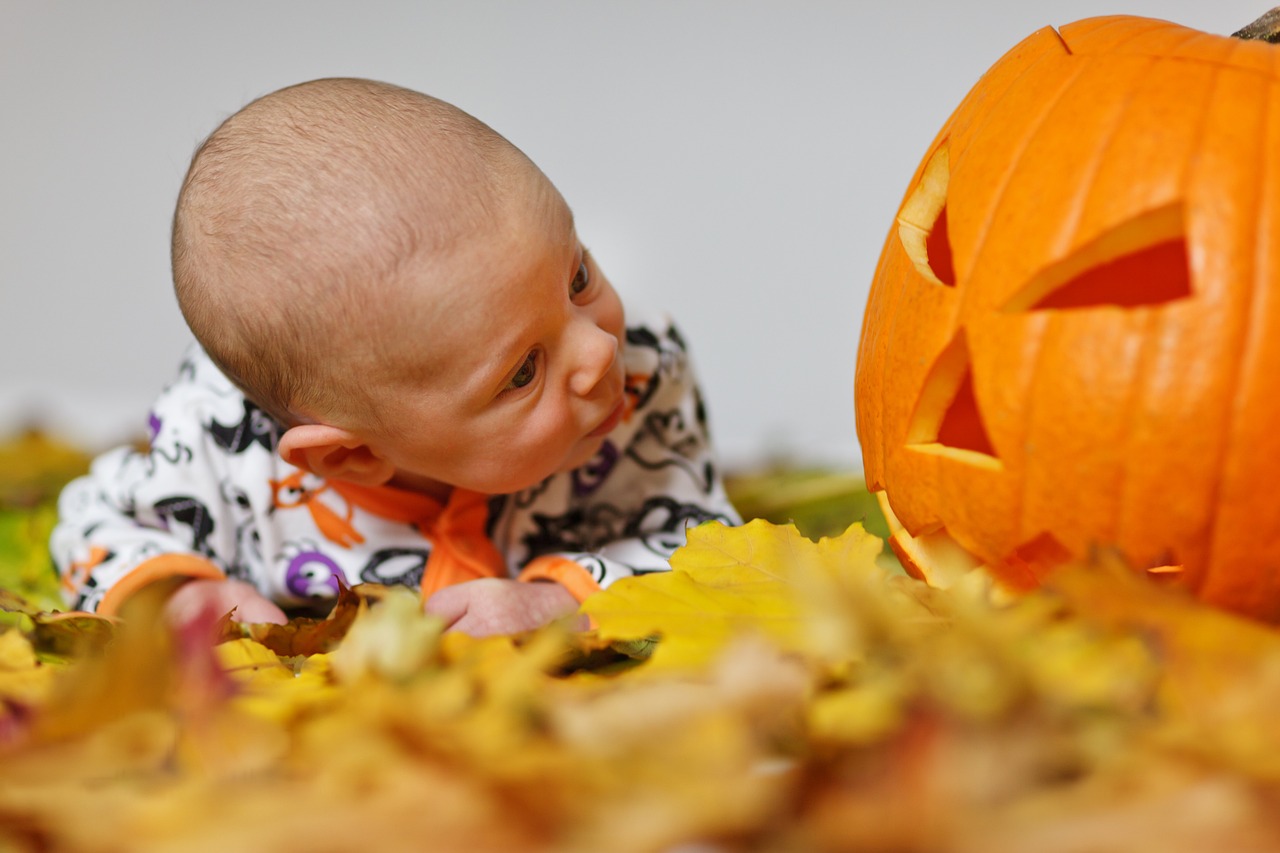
column 563, row 571
column 156, row 569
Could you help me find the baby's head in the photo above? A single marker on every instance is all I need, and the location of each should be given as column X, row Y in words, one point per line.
column 298, row 218
column 400, row 286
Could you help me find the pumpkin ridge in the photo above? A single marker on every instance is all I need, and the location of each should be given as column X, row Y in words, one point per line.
column 1026, row 526
column 1178, row 52
column 1203, row 129
column 1014, row 159
column 1132, row 407
column 961, row 124
column 1035, row 341
column 1168, row 53
column 1241, row 47
column 872, row 357
column 1107, row 237
column 1262, row 212
column 1071, row 219
column 1223, row 65
column 1087, row 30
column 1226, row 49
column 1133, row 29
column 1189, row 577
column 983, row 102
column 1196, row 574
column 978, row 105
column 895, row 305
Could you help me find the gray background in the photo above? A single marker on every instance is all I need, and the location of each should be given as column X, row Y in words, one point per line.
column 736, row 163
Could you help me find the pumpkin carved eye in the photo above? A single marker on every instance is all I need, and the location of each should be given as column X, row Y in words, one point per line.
column 922, row 224
column 1142, row 262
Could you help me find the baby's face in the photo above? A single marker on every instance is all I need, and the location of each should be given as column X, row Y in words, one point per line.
column 516, row 372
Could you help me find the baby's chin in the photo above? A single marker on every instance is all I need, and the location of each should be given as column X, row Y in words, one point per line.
column 587, row 449
column 582, row 453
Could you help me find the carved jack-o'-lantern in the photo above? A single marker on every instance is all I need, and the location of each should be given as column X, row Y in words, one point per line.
column 1073, row 336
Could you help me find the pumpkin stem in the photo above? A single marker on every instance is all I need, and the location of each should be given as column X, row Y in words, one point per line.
column 1266, row 28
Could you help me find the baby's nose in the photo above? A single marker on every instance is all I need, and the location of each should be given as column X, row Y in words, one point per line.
column 596, row 354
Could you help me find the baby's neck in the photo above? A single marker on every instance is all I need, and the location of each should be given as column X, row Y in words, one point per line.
column 422, row 485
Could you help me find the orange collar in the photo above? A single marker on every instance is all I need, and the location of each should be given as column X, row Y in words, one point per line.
column 460, row 547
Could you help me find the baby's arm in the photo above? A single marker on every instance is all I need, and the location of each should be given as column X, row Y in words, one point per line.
column 113, row 538
column 172, row 510
column 500, row 605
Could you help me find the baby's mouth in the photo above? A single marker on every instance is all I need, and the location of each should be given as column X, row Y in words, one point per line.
column 606, row 426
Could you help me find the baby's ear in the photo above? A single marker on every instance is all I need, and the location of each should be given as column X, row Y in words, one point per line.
column 335, row 454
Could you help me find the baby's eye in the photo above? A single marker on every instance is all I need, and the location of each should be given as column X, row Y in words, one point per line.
column 581, row 280
column 526, row 373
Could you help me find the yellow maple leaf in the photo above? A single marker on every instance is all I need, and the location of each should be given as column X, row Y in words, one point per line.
column 759, row 578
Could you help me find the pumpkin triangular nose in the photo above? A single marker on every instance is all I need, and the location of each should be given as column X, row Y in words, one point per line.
column 947, row 412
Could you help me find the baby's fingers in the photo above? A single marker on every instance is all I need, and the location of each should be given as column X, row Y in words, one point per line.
column 449, row 604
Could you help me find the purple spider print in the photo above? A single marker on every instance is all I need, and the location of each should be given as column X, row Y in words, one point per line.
column 313, row 575
column 589, row 477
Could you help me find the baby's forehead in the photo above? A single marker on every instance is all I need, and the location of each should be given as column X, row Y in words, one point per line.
column 532, row 210
column 458, row 309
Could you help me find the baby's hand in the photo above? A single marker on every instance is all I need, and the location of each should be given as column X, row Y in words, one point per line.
column 197, row 597
column 500, row 605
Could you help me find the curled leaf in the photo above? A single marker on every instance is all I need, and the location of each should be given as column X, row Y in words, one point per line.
column 302, row 636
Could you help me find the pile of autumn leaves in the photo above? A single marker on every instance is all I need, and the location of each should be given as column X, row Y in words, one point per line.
column 769, row 694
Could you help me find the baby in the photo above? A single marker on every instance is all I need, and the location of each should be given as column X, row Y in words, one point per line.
column 409, row 371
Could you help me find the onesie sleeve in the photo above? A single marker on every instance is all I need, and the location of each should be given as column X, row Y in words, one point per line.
column 627, row 510
column 166, row 509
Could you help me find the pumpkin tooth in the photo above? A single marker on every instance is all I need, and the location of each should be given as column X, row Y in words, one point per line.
column 934, row 558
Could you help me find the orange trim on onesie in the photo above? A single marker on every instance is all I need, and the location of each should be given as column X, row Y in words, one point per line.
column 157, row 569
column 563, row 571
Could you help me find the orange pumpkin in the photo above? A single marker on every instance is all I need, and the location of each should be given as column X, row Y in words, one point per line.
column 1073, row 335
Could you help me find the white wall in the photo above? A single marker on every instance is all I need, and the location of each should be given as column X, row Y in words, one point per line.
column 736, row 162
